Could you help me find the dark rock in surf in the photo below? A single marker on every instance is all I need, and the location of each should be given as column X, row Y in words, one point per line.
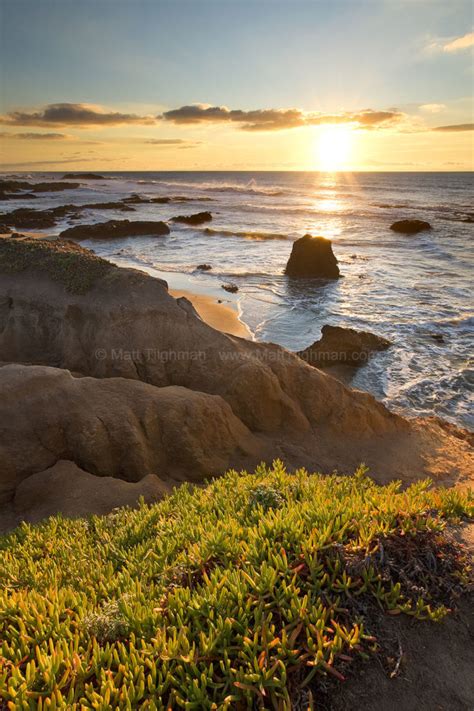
column 106, row 206
column 27, row 218
column 17, row 196
column 343, row 346
column 231, row 288
column 13, row 186
column 196, row 219
column 204, row 267
column 116, row 228
column 83, row 176
column 312, row 257
column 410, row 227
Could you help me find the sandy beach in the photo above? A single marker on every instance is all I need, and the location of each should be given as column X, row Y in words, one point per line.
column 220, row 316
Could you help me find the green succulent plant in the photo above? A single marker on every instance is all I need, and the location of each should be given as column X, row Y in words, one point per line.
column 241, row 594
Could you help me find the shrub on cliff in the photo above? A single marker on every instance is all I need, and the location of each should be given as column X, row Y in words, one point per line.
column 244, row 594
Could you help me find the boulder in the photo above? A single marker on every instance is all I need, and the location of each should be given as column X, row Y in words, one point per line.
column 204, row 267
column 231, row 288
column 66, row 489
column 312, row 257
column 343, row 346
column 114, row 229
column 410, row 227
column 196, row 219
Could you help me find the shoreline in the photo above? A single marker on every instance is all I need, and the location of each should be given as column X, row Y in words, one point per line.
column 218, row 315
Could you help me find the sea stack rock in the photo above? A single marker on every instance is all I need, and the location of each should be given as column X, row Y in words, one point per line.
column 312, row 257
column 343, row 346
column 410, row 227
column 197, row 219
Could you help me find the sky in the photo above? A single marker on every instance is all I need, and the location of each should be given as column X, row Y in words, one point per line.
column 236, row 85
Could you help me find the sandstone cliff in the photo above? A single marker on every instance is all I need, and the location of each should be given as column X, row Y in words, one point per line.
column 168, row 395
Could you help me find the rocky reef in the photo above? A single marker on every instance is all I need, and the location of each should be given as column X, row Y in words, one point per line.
column 114, row 229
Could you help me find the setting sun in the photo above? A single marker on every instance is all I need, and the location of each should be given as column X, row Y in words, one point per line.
column 334, row 147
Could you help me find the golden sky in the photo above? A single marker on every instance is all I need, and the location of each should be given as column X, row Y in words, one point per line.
column 236, row 85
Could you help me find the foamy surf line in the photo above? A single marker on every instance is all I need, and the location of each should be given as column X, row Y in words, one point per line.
column 213, row 187
column 211, row 232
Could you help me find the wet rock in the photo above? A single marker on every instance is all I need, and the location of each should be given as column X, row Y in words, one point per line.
column 27, row 218
column 16, row 185
column 204, row 267
column 410, row 227
column 231, row 288
column 83, row 176
column 17, row 196
column 312, row 257
column 114, row 229
column 343, row 346
column 197, row 219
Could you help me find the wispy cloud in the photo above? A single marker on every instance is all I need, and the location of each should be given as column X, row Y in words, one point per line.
column 63, row 161
column 79, row 115
column 169, row 142
column 460, row 43
column 456, row 127
column 451, row 44
column 432, row 108
column 35, row 136
column 276, row 119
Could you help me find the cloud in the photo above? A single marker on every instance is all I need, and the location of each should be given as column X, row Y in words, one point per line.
column 35, row 136
column 451, row 44
column 432, row 108
column 460, row 43
column 275, row 119
column 456, row 127
column 80, row 115
column 28, row 164
column 167, row 142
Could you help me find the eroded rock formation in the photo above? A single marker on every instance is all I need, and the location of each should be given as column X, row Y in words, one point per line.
column 168, row 395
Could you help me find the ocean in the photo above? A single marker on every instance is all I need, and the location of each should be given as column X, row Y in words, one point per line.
column 414, row 290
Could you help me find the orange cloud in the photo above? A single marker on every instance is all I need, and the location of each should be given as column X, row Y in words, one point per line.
column 276, row 119
column 79, row 115
column 460, row 43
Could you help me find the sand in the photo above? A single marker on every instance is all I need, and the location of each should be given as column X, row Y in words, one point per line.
column 221, row 316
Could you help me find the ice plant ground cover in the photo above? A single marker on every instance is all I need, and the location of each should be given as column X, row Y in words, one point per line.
column 247, row 593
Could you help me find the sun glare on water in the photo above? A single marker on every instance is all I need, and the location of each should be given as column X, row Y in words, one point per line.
column 334, row 148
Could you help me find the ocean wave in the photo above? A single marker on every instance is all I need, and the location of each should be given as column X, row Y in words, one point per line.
column 250, row 188
column 246, row 234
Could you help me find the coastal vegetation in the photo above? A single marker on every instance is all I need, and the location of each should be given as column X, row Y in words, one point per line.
column 253, row 591
column 66, row 263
